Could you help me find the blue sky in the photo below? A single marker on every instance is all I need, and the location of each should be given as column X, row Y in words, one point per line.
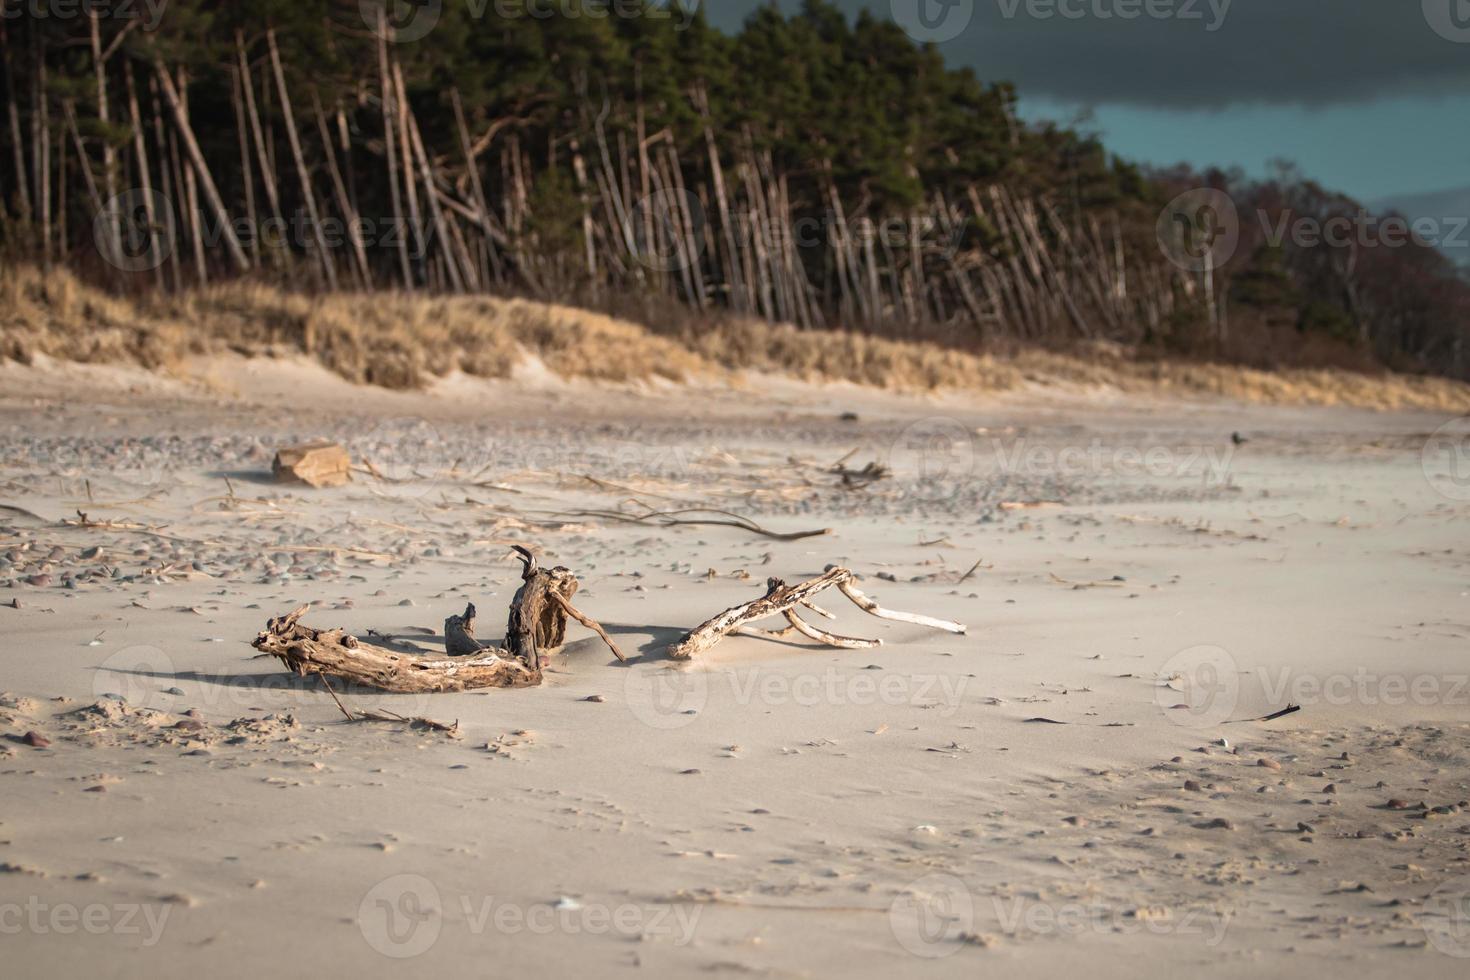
column 1369, row 97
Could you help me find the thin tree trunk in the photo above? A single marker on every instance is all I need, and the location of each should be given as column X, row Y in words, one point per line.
column 140, row 150
column 61, row 243
column 86, row 167
column 692, row 252
column 344, row 204
column 476, row 188
column 267, row 172
column 41, row 147
column 197, row 221
column 390, row 150
column 717, row 174
column 191, row 146
column 109, row 178
column 329, row 268
column 405, row 150
column 12, row 112
column 247, row 178
column 436, row 214
column 169, row 185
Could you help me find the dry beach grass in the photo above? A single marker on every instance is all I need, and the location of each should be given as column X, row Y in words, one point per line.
column 403, row 342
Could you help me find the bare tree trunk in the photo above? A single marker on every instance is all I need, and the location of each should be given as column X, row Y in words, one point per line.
column 472, row 169
column 109, row 178
column 211, row 193
column 191, row 197
column 140, row 150
column 41, row 148
column 17, row 143
column 86, row 167
column 247, row 178
column 717, row 174
column 354, row 229
column 390, row 151
column 426, row 171
column 168, row 168
column 686, row 221
column 267, row 173
column 405, row 149
column 61, row 243
column 329, row 268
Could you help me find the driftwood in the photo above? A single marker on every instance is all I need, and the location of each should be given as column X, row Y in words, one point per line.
column 537, row 620
column 335, row 653
column 536, row 626
column 317, row 464
column 781, row 600
column 459, row 634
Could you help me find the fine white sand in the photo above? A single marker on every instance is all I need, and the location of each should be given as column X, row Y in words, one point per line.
column 1075, row 785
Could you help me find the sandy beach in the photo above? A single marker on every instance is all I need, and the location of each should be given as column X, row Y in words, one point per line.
column 1078, row 783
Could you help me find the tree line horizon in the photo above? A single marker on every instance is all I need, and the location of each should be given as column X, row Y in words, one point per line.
column 809, row 168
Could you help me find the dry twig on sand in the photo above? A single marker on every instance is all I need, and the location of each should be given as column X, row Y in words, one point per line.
column 676, row 518
column 390, row 716
column 781, row 600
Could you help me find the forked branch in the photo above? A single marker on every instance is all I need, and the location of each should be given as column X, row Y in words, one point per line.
column 781, row 600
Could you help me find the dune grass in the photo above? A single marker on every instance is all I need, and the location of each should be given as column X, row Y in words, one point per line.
column 406, row 341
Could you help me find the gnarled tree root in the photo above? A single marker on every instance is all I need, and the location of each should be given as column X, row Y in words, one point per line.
column 781, row 600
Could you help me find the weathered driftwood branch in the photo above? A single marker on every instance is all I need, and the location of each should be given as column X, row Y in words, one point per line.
column 336, row 653
column 537, row 621
column 537, row 625
column 781, row 600
column 459, row 634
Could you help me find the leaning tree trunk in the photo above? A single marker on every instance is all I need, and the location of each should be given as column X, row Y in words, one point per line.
column 191, row 146
column 329, row 268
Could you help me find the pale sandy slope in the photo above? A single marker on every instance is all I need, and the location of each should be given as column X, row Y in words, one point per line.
column 774, row 809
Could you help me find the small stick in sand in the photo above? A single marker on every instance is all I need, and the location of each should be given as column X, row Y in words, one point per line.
column 674, row 518
column 392, row 716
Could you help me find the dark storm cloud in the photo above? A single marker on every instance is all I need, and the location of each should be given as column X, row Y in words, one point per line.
column 1196, row 53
